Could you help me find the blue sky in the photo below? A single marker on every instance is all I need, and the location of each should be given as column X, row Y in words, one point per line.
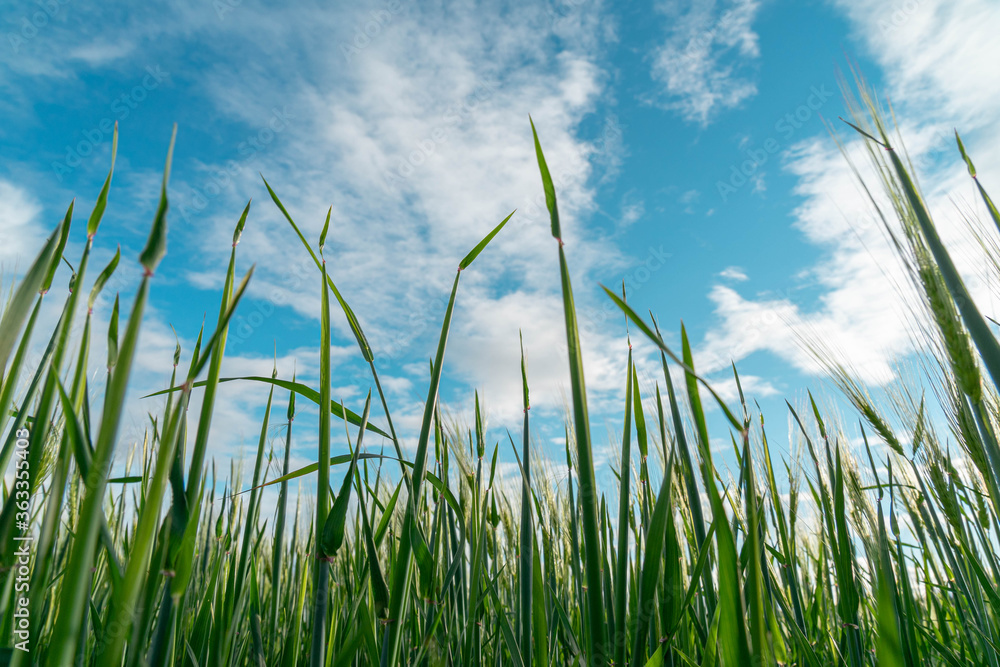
column 410, row 119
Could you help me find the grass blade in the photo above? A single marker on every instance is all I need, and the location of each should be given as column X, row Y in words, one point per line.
column 588, row 487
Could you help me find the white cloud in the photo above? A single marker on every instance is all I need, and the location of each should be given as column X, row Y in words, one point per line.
column 485, row 352
column 930, row 50
column 98, row 54
column 20, row 232
column 702, row 67
column 861, row 316
column 633, row 209
column 417, row 134
column 420, row 141
column 734, row 273
column 689, row 199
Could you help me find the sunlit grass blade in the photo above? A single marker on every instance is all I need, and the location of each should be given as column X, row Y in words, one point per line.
column 75, row 594
column 599, row 649
column 215, row 351
column 624, row 505
column 16, row 309
column 990, row 206
column 10, row 385
column 102, row 199
column 321, row 585
column 137, row 571
column 978, row 328
column 63, row 236
column 890, row 648
column 333, row 531
column 401, row 574
column 313, row 467
column 650, row 579
column 526, row 543
column 352, row 321
column 658, row 341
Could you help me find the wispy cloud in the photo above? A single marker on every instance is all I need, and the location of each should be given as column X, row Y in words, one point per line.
column 421, row 151
column 411, row 121
column 734, row 273
column 705, row 65
column 632, row 210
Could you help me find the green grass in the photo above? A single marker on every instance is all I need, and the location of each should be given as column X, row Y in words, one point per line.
column 825, row 556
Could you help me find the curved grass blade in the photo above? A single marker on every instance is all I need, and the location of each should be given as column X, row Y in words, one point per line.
column 468, row 259
column 63, row 232
column 352, row 320
column 990, row 206
column 300, row 389
column 102, row 279
column 102, row 199
column 978, row 328
column 156, row 244
column 547, row 185
column 313, row 467
column 655, row 337
column 16, row 309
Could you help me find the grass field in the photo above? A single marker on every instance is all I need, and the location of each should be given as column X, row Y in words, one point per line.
column 417, row 557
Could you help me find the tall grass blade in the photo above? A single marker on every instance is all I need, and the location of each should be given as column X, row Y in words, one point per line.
column 599, row 649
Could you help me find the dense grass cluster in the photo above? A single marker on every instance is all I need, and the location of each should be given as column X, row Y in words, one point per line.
column 419, row 558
